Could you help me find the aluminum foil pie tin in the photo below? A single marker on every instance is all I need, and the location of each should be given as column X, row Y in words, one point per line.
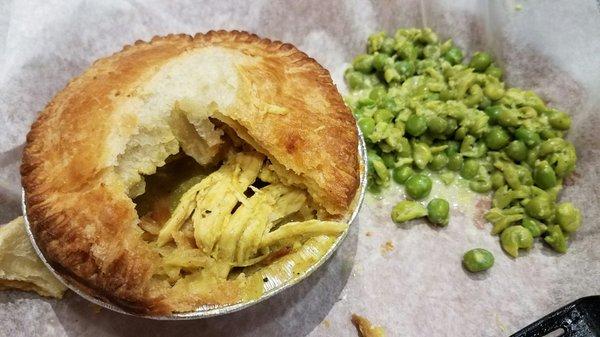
column 271, row 288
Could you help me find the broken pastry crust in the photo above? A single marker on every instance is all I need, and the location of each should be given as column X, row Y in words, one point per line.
column 88, row 150
column 20, row 267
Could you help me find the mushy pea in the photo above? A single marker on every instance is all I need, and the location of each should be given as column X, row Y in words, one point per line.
column 422, row 106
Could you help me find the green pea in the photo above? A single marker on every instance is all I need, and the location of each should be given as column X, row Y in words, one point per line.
column 383, row 115
column 407, row 210
column 497, row 138
column 475, row 96
column 447, row 178
column 454, row 55
column 452, row 147
column 448, row 94
column 365, row 102
column 515, row 237
column 560, row 120
column 396, row 140
column 501, row 219
column 389, row 160
column 481, row 184
column 423, row 65
column 480, row 61
column 401, row 174
column 377, row 93
column 485, row 102
column 356, row 80
column 437, row 125
column 404, row 148
column 540, row 207
column 390, row 74
column 509, row 118
column 525, row 176
column 377, row 167
column 451, row 126
column 418, row 186
column 494, row 90
column 455, row 161
column 439, row 161
column 389, row 103
column 497, row 179
column 366, row 125
column 387, row 46
column 527, row 136
column 363, row 63
column 438, row 211
column 535, row 227
column 532, row 156
column 405, row 68
column 511, row 175
column 478, row 150
column 469, row 169
column 550, row 133
column 556, row 239
column 568, row 217
column 421, row 155
column 380, row 60
column 407, row 51
column 504, row 196
column 493, row 111
column 375, row 40
column 427, row 36
column 552, row 145
column 416, row 125
column 544, row 175
column 478, row 259
column 494, row 71
column 516, row 150
column 373, row 79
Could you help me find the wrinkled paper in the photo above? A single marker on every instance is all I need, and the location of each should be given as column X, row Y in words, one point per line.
column 405, row 278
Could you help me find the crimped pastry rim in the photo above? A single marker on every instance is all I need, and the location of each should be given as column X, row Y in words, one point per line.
column 212, row 311
column 37, row 213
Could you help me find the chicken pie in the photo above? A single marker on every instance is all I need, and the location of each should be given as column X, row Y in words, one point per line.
column 186, row 171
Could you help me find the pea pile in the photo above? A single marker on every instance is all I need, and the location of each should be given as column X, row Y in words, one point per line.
column 422, row 108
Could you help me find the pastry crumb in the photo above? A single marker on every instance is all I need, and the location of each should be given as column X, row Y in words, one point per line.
column 387, row 247
column 326, row 323
column 499, row 324
column 358, row 269
column 365, row 328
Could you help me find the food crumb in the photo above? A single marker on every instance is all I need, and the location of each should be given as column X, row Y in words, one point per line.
column 368, row 233
column 518, row 7
column 326, row 323
column 499, row 323
column 387, row 247
column 358, row 269
column 365, row 328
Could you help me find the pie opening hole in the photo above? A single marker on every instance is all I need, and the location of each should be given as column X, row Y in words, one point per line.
column 165, row 187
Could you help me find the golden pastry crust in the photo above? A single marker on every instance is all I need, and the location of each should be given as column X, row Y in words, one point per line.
column 286, row 105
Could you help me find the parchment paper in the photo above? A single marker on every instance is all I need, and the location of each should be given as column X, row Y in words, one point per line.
column 417, row 289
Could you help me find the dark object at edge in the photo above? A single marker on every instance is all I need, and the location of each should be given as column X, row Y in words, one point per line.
column 580, row 318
